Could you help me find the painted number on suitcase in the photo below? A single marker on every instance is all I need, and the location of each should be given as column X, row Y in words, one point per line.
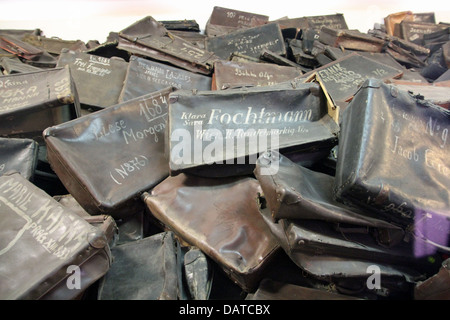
column 125, row 169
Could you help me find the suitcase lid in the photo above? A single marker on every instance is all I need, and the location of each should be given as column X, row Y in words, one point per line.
column 248, row 41
column 88, row 71
column 126, row 149
column 145, row 76
column 295, row 113
column 37, row 232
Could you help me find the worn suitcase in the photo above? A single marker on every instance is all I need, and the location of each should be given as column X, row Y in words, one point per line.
column 145, row 76
column 46, row 250
column 346, row 261
column 129, row 228
column 295, row 192
column 350, row 40
column 342, row 77
column 14, row 45
column 226, row 226
column 31, row 102
column 435, row 93
column 15, row 65
column 249, row 41
column 147, row 37
column 220, row 133
column 388, row 134
column 228, row 74
column 54, row 45
column 414, row 31
column 335, row 21
column 20, row 155
column 224, row 20
column 125, row 144
column 89, row 71
column 144, row 269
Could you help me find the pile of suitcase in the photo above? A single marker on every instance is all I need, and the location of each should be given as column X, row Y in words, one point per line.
column 257, row 159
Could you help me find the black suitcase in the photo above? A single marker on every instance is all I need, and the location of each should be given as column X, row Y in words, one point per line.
column 389, row 135
column 295, row 192
column 248, row 41
column 149, row 38
column 220, row 133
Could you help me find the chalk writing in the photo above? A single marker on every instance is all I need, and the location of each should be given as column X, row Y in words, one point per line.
column 127, row 168
column 58, row 232
column 261, row 117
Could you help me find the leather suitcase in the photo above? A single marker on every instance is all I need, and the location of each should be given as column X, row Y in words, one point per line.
column 89, row 71
column 145, row 76
column 345, row 261
column 224, row 140
column 350, row 40
column 388, row 134
column 42, row 244
column 335, row 21
column 342, row 77
column 31, row 102
column 433, row 92
column 54, row 45
column 248, row 41
column 129, row 228
column 414, row 31
column 15, row 65
column 126, row 148
column 221, row 218
column 153, row 265
column 22, row 49
column 223, row 20
column 147, row 37
column 20, row 155
column 295, row 192
column 228, row 74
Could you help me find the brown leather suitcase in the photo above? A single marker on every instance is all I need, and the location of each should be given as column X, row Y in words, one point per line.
column 221, row 218
column 106, row 159
column 46, row 250
column 33, row 101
